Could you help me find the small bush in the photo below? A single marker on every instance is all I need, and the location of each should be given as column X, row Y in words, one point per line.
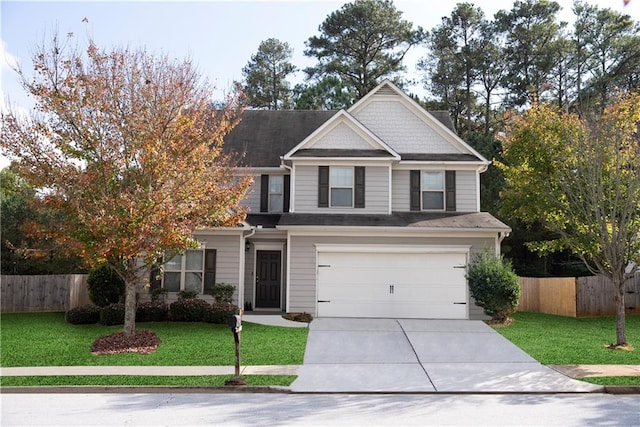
column 189, row 310
column 152, row 311
column 113, row 314
column 494, row 286
column 223, row 293
column 105, row 286
column 158, row 294
column 187, row 294
column 220, row 312
column 83, row 315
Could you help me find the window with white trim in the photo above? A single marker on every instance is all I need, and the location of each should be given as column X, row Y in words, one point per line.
column 184, row 272
column 432, row 190
column 341, row 187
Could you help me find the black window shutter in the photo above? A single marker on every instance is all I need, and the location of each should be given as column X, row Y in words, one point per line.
column 359, row 187
column 414, row 189
column 209, row 270
column 264, row 193
column 287, row 193
column 323, row 186
column 450, row 190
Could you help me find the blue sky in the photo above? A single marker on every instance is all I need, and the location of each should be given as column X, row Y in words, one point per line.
column 219, row 36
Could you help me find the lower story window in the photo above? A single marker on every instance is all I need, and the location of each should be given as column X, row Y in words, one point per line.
column 184, row 272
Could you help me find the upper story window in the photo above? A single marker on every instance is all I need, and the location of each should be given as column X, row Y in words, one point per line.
column 341, row 187
column 432, row 188
column 276, row 193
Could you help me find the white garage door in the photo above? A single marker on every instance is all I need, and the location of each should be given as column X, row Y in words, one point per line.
column 403, row 285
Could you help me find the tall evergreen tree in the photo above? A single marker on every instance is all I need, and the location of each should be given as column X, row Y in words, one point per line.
column 362, row 43
column 265, row 76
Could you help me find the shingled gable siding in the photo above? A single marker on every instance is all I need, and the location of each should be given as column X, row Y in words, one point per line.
column 399, row 127
column 465, row 191
column 302, row 294
column 376, row 191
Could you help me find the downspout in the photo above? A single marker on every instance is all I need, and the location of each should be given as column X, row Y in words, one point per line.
column 243, row 260
column 291, row 184
column 501, row 236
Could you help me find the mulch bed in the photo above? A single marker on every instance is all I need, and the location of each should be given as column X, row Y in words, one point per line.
column 143, row 341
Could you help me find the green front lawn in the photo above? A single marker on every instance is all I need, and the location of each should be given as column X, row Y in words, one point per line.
column 558, row 340
column 45, row 339
column 127, row 380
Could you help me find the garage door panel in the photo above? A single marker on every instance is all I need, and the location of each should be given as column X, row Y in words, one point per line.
column 407, row 285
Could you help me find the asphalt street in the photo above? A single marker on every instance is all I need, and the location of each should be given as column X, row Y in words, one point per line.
column 279, row 409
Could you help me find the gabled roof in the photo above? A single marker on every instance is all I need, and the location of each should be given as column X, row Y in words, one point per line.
column 263, row 136
column 369, row 142
column 388, row 90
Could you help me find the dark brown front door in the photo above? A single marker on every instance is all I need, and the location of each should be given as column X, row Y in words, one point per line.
column 268, row 270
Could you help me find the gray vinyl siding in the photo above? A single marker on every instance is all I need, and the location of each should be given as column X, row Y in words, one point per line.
column 376, row 191
column 252, row 201
column 465, row 191
column 227, row 258
column 302, row 295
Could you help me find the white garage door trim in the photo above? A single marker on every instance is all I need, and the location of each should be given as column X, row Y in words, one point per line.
column 414, row 298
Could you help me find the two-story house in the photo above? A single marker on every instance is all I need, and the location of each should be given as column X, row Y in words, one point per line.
column 373, row 211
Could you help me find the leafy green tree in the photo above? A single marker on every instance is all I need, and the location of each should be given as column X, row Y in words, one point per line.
column 362, row 43
column 23, row 250
column 580, row 178
column 265, row 76
column 531, row 33
column 129, row 151
column 328, row 93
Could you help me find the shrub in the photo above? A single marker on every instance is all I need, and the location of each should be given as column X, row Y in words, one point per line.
column 189, row 310
column 219, row 312
column 83, row 315
column 105, row 286
column 223, row 292
column 112, row 314
column 187, row 294
column 494, row 286
column 152, row 311
column 158, row 294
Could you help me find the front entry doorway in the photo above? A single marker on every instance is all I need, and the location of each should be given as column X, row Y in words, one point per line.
column 268, row 279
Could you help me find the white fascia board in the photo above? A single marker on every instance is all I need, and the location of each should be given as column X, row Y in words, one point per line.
column 317, row 230
column 415, row 164
column 343, row 117
column 209, row 231
column 328, row 161
column 392, row 249
column 260, row 171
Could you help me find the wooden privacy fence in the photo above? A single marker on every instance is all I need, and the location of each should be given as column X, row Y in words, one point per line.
column 576, row 296
column 59, row 292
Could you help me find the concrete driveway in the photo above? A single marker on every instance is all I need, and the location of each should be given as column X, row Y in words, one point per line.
column 415, row 355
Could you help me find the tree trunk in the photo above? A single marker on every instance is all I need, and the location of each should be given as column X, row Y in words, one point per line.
column 130, row 308
column 621, row 338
